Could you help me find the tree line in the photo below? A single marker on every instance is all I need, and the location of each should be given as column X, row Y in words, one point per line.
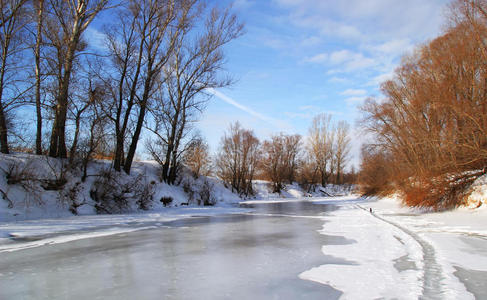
column 151, row 68
column 318, row 159
column 431, row 127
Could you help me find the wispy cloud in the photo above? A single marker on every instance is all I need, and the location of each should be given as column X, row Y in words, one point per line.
column 242, row 4
column 373, row 19
column 372, row 35
column 354, row 92
column 343, row 61
column 318, row 58
column 355, row 100
column 272, row 121
column 338, row 80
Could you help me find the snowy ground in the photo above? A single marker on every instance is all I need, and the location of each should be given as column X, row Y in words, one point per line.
column 391, row 252
column 405, row 254
column 27, row 199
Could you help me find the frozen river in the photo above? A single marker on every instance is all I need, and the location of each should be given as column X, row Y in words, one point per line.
column 255, row 255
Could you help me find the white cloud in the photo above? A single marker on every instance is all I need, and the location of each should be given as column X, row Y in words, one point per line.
column 318, row 58
column 343, row 61
column 242, row 4
column 377, row 80
column 372, row 34
column 355, row 100
column 354, row 92
column 338, row 80
column 372, row 19
column 341, row 56
column 311, row 41
column 395, row 46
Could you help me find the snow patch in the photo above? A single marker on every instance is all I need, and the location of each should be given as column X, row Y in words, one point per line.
column 370, row 271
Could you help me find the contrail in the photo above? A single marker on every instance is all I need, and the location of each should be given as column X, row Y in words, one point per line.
column 272, row 121
column 238, row 105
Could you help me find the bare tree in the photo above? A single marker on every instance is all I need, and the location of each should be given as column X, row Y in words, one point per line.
column 273, row 162
column 90, row 94
column 341, row 149
column 238, row 157
column 320, row 145
column 197, row 157
column 307, row 173
column 376, row 171
column 433, row 122
column 39, row 8
column 292, row 151
column 160, row 15
column 193, row 68
column 12, row 22
column 66, row 24
column 279, row 159
column 140, row 47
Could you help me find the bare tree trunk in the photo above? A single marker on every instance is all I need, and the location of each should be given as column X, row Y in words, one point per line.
column 120, row 131
column 3, row 120
column 37, row 55
column 58, row 142
column 3, row 132
column 140, row 120
column 170, row 146
column 72, row 152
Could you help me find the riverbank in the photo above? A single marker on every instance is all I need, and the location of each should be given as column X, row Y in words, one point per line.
column 406, row 253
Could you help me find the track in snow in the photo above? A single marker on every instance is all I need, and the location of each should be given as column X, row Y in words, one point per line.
column 432, row 271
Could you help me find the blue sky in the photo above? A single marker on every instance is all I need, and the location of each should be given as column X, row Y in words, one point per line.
column 299, row 58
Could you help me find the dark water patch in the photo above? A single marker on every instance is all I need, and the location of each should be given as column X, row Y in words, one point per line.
column 404, row 263
column 475, row 281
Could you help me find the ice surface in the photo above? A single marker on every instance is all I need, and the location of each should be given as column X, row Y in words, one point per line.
column 238, row 256
column 46, row 231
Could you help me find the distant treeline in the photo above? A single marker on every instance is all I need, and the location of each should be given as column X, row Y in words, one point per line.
column 320, row 159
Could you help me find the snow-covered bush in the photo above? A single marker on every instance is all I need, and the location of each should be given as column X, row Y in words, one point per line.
column 199, row 191
column 20, row 174
column 33, row 186
column 206, row 192
column 145, row 195
column 114, row 192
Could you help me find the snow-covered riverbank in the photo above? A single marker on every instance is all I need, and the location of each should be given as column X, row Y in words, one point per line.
column 397, row 252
